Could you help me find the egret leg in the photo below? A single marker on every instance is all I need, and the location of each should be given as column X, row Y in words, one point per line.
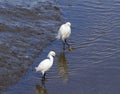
column 63, row 45
column 44, row 76
column 43, row 82
column 67, row 43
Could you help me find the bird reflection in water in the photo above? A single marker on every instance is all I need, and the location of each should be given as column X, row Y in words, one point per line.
column 41, row 89
column 62, row 66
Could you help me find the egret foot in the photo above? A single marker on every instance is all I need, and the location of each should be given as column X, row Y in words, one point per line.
column 70, row 48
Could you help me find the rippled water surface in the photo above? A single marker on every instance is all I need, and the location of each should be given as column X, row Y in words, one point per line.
column 26, row 27
column 93, row 67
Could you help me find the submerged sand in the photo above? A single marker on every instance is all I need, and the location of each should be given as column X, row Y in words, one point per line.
column 25, row 29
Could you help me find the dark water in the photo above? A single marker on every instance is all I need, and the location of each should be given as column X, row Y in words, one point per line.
column 94, row 64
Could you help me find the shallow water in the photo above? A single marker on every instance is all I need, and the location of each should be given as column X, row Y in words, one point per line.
column 94, row 64
column 26, row 27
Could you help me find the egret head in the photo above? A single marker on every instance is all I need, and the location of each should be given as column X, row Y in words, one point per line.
column 52, row 53
column 68, row 23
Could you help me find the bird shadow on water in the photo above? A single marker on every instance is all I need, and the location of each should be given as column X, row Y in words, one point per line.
column 41, row 89
column 62, row 66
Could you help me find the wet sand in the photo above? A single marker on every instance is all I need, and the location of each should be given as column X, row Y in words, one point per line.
column 24, row 32
column 93, row 65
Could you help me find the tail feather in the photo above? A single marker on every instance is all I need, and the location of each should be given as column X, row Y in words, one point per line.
column 58, row 36
column 36, row 69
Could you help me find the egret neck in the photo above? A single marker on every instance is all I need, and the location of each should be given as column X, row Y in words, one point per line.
column 51, row 59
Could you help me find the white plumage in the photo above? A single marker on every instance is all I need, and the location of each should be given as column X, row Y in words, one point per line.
column 46, row 64
column 64, row 32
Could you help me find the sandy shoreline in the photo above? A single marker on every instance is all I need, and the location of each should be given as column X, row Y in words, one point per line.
column 23, row 34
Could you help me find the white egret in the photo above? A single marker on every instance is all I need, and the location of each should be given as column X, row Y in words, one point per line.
column 63, row 33
column 46, row 64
